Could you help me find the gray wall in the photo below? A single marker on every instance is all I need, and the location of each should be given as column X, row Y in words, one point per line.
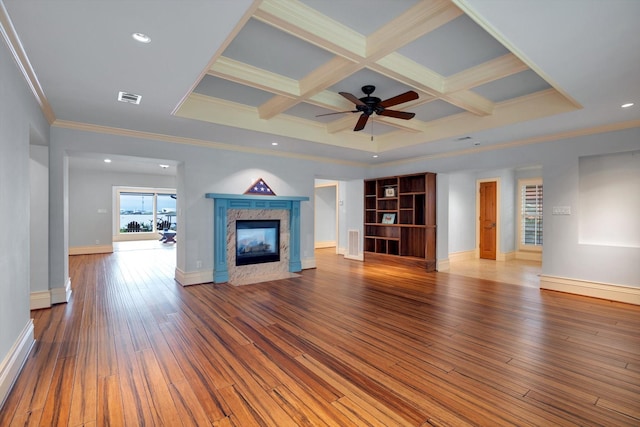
column 90, row 191
column 21, row 121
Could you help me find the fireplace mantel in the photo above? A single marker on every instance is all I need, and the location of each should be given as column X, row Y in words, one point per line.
column 223, row 202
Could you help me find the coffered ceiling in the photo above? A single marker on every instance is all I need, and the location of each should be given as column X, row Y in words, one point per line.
column 286, row 64
column 243, row 74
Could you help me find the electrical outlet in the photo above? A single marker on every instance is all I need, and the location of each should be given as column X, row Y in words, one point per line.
column 97, row 241
column 198, row 264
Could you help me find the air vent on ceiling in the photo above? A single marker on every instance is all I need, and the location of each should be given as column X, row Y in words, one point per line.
column 131, row 98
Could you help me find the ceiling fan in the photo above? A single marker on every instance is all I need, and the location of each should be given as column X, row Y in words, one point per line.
column 368, row 105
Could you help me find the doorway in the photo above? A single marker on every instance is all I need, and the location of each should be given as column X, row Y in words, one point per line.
column 488, row 219
column 326, row 215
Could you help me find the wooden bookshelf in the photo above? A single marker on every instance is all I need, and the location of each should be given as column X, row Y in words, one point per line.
column 400, row 219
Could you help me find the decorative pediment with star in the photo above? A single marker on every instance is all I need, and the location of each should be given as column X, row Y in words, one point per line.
column 260, row 187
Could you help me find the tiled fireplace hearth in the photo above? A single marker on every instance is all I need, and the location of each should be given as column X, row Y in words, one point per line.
column 231, row 207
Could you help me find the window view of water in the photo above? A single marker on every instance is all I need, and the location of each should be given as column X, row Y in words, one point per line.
column 136, row 212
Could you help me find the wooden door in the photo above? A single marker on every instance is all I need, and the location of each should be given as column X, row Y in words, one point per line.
column 488, row 218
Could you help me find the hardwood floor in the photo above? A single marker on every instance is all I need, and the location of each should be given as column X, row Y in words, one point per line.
column 347, row 344
column 516, row 272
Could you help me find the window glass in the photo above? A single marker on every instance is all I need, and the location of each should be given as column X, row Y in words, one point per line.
column 531, row 214
column 136, row 212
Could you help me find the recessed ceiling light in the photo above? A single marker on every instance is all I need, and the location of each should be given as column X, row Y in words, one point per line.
column 164, row 166
column 141, row 37
column 274, row 143
column 627, row 105
column 107, row 160
column 375, row 156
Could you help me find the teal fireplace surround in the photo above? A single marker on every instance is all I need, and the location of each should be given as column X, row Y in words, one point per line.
column 223, row 202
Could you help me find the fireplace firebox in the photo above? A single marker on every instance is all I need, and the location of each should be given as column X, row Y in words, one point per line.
column 257, row 241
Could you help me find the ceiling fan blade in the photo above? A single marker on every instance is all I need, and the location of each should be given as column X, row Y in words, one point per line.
column 397, row 114
column 399, row 99
column 338, row 112
column 362, row 122
column 352, row 98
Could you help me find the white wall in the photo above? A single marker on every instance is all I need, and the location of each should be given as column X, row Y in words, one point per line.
column 325, row 215
column 462, row 212
column 201, row 170
column 20, row 122
column 91, row 191
column 563, row 256
column 39, row 218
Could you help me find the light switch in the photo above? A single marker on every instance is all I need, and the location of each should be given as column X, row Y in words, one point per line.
column 561, row 210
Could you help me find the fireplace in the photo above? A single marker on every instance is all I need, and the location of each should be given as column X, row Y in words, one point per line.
column 257, row 241
column 230, row 208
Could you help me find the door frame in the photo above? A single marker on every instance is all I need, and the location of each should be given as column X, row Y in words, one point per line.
column 337, row 231
column 499, row 255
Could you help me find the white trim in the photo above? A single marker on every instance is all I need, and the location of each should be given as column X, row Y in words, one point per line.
column 505, row 256
column 341, row 250
column 328, row 244
column 88, row 250
column 38, row 300
column 308, row 263
column 61, row 295
column 443, row 264
column 359, row 257
column 529, row 256
column 608, row 291
column 462, row 256
column 522, row 247
column 15, row 359
column 10, row 36
column 194, row 277
column 135, row 237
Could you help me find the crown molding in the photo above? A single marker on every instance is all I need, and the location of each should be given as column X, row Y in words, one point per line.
column 612, row 127
column 107, row 130
column 14, row 44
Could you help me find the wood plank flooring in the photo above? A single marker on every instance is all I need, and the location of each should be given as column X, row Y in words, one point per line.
column 346, row 344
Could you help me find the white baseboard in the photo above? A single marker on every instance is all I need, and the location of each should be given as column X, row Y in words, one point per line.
column 341, row 251
column 308, row 263
column 505, row 256
column 38, row 300
column 620, row 293
column 442, row 264
column 359, row 257
column 529, row 256
column 61, row 295
column 14, row 360
column 327, row 244
column 194, row 277
column 462, row 256
column 88, row 250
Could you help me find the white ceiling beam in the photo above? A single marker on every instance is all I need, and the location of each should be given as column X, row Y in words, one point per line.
column 307, row 24
column 245, row 74
column 495, row 69
column 303, row 22
column 422, row 18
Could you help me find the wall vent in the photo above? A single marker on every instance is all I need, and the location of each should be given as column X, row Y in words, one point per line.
column 353, row 245
column 131, row 98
